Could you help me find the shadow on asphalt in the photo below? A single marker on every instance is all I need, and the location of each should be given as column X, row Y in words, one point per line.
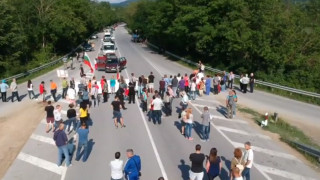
column 198, row 128
column 224, row 173
column 90, row 147
column 184, row 168
column 222, row 110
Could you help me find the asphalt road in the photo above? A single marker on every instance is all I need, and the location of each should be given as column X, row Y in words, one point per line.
column 163, row 150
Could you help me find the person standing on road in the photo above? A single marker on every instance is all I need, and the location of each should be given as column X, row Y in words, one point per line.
column 206, row 118
column 189, row 124
column 133, row 166
column 201, row 87
column 116, row 167
column 4, row 87
column 42, row 91
column 151, row 83
column 71, row 93
column 144, row 100
column 85, row 97
column 208, row 85
column 184, row 103
column 72, row 83
column 50, row 116
column 183, row 122
column 162, row 87
column 61, row 140
column 236, row 162
column 94, row 94
column 213, row 165
column 235, row 97
column 53, row 90
column 193, row 89
column 105, row 90
column 215, row 84
column 186, row 83
column 174, row 85
column 113, row 84
column 245, row 82
column 30, row 90
column 83, row 132
column 157, row 107
column 248, row 158
column 83, row 114
column 230, row 80
column 57, row 117
column 117, row 116
column 72, row 118
column 180, row 87
column 14, row 89
column 197, row 159
column 252, row 81
column 131, row 93
column 230, row 102
column 65, row 86
column 120, row 95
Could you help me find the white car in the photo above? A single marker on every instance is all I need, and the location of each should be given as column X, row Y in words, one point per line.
column 108, row 47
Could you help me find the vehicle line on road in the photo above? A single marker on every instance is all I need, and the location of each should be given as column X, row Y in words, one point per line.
column 153, row 144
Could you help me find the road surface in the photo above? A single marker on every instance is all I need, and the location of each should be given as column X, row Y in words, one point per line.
column 164, row 151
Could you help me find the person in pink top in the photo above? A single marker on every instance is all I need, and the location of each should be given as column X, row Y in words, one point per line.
column 186, row 83
column 42, row 91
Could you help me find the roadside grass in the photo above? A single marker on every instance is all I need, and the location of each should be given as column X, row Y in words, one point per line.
column 39, row 73
column 287, row 132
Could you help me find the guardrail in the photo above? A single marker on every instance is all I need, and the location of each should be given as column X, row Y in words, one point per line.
column 307, row 149
column 276, row 86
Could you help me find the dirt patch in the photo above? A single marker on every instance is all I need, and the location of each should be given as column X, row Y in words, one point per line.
column 16, row 126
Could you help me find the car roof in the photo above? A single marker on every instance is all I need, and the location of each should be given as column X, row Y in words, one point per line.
column 108, row 43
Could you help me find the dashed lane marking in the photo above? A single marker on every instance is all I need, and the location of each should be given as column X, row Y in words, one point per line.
column 41, row 163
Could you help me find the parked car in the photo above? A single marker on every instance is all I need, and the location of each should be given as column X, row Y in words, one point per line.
column 87, row 47
column 110, row 62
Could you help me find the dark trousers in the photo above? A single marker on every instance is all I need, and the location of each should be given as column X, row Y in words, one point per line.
column 121, row 98
column 15, row 94
column 230, row 84
column 251, row 87
column 4, row 96
column 144, row 106
column 132, row 98
column 161, row 92
column 157, row 116
column 168, row 108
column 241, row 87
column 53, row 93
column 31, row 92
column 215, row 89
column 245, row 88
column 64, row 92
column 186, row 89
column 246, row 173
column 105, row 97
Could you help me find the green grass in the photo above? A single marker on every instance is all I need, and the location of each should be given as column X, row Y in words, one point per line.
column 286, row 132
column 39, row 73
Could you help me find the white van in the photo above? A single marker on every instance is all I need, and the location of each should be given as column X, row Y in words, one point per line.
column 108, row 47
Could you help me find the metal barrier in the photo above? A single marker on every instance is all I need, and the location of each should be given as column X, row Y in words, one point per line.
column 276, row 86
column 307, row 149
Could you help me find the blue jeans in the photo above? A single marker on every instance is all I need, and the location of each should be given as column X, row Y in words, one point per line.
column 157, row 116
column 246, row 173
column 188, row 130
column 193, row 94
column 56, row 125
column 234, row 108
column 63, row 150
column 72, row 121
column 85, row 150
column 205, row 132
column 223, row 87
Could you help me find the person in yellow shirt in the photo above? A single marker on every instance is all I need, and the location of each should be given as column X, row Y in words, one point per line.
column 53, row 88
column 83, row 114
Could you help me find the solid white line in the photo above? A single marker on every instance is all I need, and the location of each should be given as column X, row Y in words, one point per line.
column 242, row 132
column 154, row 147
column 282, row 173
column 269, row 152
column 231, row 142
column 41, row 163
column 208, row 100
column 43, row 139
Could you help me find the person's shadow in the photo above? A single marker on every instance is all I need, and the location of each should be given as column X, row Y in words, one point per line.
column 198, row 128
column 223, row 110
column 90, row 147
column 224, row 172
column 184, row 170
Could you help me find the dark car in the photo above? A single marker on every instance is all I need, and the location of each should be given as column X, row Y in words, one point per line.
column 110, row 62
column 87, row 47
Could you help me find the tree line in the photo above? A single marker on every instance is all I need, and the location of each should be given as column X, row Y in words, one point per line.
column 33, row 31
column 278, row 40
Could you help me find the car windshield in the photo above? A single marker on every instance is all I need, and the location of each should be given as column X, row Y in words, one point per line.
column 108, row 47
column 112, row 61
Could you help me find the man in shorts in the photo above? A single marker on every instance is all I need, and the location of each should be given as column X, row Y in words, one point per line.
column 151, row 83
column 50, row 116
column 116, row 105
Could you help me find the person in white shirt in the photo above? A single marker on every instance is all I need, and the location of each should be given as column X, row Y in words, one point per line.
column 57, row 117
column 30, row 90
column 157, row 107
column 248, row 157
column 184, row 102
column 116, row 168
column 72, row 95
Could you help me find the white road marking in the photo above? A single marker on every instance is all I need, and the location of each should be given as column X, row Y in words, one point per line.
column 281, row 173
column 43, row 139
column 269, row 152
column 208, row 100
column 41, row 163
column 154, row 147
column 242, row 132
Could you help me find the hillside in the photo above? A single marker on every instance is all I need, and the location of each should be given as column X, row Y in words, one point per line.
column 123, row 4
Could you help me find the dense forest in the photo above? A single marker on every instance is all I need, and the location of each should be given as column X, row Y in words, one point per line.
column 278, row 40
column 33, row 31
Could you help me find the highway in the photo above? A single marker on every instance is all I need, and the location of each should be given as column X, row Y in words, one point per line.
column 163, row 150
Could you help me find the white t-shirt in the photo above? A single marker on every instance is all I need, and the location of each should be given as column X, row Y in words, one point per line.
column 57, row 115
column 157, row 104
column 193, row 86
column 30, row 88
column 190, row 120
column 71, row 93
column 116, row 169
column 238, row 178
column 249, row 157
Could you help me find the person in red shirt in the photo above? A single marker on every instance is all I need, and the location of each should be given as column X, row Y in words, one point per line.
column 42, row 91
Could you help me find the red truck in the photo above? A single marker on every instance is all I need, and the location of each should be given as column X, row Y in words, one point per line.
column 110, row 63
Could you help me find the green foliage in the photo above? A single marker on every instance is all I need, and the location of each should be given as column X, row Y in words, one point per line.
column 33, row 31
column 278, row 40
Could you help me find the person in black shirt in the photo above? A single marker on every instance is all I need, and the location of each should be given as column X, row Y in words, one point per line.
column 50, row 116
column 197, row 159
column 120, row 95
column 71, row 114
column 116, row 105
column 131, row 93
column 151, row 82
column 251, row 82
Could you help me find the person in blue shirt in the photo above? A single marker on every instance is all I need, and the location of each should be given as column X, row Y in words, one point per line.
column 113, row 84
column 133, row 166
column 208, row 85
column 83, row 141
column 4, row 87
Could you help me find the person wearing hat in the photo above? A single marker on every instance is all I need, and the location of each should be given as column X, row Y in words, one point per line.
column 4, row 87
